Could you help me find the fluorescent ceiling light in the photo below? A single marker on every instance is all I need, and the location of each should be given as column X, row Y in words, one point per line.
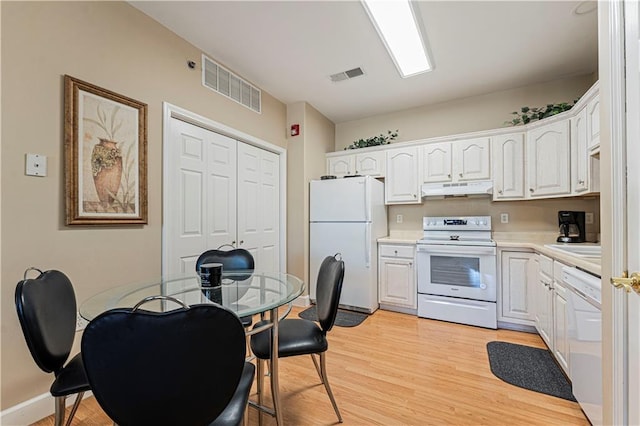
column 397, row 26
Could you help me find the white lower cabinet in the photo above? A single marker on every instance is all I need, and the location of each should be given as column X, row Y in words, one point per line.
column 560, row 318
column 397, row 277
column 517, row 287
column 544, row 299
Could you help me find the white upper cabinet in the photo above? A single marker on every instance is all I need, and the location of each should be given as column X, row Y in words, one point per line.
column 579, row 153
column 559, row 157
column 593, row 120
column 436, row 162
column 341, row 166
column 370, row 163
column 402, row 185
column 471, row 159
column 548, row 160
column 457, row 161
column 508, row 166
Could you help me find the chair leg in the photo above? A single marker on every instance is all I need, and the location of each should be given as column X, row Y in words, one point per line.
column 59, row 410
column 259, row 383
column 325, row 381
column 315, row 363
column 74, row 408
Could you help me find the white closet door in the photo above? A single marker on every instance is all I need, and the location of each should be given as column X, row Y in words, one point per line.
column 258, row 205
column 221, row 191
column 185, row 221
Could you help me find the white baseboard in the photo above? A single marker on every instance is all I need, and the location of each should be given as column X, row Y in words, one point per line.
column 32, row 410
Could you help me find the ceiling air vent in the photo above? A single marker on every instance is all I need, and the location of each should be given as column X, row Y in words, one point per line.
column 345, row 75
column 223, row 81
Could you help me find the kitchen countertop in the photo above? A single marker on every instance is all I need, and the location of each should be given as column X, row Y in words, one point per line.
column 401, row 237
column 589, row 264
column 505, row 240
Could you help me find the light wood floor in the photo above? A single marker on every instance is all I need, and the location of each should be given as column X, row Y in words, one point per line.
column 397, row 369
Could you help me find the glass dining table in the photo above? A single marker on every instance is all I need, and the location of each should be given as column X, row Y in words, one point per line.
column 246, row 293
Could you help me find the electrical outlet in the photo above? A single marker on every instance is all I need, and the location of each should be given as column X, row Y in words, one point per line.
column 81, row 323
column 399, row 218
column 504, row 217
column 588, row 218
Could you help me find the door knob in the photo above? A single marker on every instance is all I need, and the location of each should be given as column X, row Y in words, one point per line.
column 626, row 282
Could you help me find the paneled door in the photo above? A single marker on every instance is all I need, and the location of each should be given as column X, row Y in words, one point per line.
column 258, row 205
column 221, row 193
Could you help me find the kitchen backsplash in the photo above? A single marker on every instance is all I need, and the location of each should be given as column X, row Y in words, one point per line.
column 524, row 216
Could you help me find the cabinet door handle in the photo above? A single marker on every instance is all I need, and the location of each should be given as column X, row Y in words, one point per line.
column 499, row 191
column 530, row 189
column 461, row 174
column 415, row 196
column 581, row 182
column 449, row 175
column 396, row 252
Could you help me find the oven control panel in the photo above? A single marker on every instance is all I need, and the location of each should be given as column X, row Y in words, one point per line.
column 459, row 223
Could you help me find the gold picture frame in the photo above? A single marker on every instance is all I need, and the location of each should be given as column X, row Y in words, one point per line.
column 105, row 143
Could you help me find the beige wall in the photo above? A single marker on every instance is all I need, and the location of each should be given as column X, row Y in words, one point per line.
column 306, row 161
column 296, row 219
column 112, row 45
column 472, row 114
column 524, row 216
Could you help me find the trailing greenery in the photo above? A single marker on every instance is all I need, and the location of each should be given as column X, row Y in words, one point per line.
column 527, row 114
column 381, row 139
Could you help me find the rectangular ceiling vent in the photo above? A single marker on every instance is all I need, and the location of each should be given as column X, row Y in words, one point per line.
column 345, row 75
column 223, row 81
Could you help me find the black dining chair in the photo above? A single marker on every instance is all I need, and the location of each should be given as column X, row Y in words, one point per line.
column 303, row 337
column 182, row 367
column 46, row 307
column 232, row 260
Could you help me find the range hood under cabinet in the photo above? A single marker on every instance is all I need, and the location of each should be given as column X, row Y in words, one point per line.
column 484, row 187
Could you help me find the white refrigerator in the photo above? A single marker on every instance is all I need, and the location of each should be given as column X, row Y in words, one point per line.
column 347, row 216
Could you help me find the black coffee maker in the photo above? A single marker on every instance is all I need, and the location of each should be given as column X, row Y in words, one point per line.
column 571, row 227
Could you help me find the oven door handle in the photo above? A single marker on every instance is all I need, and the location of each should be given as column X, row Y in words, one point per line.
column 455, row 249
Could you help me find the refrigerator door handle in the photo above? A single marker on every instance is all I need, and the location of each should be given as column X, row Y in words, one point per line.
column 367, row 245
column 367, row 196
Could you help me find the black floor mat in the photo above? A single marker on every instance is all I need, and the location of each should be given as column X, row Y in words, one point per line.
column 344, row 318
column 529, row 368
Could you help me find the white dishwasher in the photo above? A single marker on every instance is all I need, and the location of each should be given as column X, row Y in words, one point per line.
column 585, row 340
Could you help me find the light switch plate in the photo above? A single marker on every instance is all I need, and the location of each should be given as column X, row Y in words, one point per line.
column 36, row 165
column 504, row 217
